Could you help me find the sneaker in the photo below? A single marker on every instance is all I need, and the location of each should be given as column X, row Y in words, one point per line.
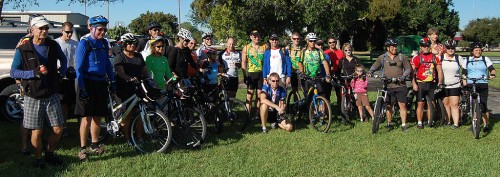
column 264, row 130
column 39, row 164
column 486, row 129
column 25, row 152
column 97, row 150
column 429, row 124
column 454, row 126
column 390, row 127
column 274, row 125
column 420, row 126
column 404, row 128
column 54, row 160
column 82, row 155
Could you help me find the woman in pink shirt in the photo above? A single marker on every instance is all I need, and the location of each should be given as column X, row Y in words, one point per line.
column 359, row 85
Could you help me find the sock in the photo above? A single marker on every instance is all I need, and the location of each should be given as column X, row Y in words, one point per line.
column 94, row 145
column 419, row 122
column 403, row 125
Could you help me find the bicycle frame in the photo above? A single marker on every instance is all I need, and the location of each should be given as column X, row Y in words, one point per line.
column 133, row 100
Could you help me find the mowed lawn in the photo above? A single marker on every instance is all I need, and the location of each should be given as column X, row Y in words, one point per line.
column 344, row 151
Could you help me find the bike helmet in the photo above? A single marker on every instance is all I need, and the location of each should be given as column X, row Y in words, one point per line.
column 476, row 45
column 390, row 42
column 207, row 34
column 152, row 25
column 156, row 40
column 311, row 36
column 425, row 42
column 128, row 37
column 98, row 20
column 184, row 33
column 450, row 44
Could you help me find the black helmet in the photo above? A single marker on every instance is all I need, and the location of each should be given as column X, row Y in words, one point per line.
column 207, row 34
column 425, row 42
column 476, row 45
column 450, row 44
column 390, row 42
column 153, row 25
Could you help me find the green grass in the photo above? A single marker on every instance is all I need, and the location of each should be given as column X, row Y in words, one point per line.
column 495, row 82
column 344, row 151
column 488, row 54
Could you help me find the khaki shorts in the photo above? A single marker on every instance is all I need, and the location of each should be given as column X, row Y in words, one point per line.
column 362, row 99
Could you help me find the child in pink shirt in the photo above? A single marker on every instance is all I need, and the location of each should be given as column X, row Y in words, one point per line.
column 359, row 85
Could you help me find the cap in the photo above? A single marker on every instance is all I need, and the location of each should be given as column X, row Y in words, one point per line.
column 39, row 22
column 254, row 32
column 319, row 42
column 273, row 36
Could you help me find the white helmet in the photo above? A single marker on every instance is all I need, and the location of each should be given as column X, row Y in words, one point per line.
column 207, row 34
column 128, row 37
column 184, row 33
column 311, row 36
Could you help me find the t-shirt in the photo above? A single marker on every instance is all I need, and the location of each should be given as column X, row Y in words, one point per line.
column 312, row 60
column 335, row 56
column 200, row 52
column 230, row 60
column 274, row 95
column 426, row 70
column 476, row 68
column 158, row 69
column 392, row 70
column 255, row 56
column 213, row 70
column 347, row 67
column 295, row 53
column 450, row 70
column 69, row 49
column 132, row 66
column 275, row 63
column 191, row 70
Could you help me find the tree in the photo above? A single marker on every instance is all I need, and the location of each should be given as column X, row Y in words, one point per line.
column 168, row 23
column 116, row 32
column 485, row 30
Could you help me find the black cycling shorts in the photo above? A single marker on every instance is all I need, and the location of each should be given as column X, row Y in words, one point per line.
column 255, row 81
column 452, row 92
column 232, row 84
column 68, row 91
column 425, row 89
column 482, row 89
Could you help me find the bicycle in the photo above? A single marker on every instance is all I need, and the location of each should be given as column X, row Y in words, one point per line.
column 381, row 103
column 220, row 109
column 188, row 123
column 347, row 98
column 475, row 109
column 319, row 112
column 157, row 133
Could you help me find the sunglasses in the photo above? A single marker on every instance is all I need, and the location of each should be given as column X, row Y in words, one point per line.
column 275, row 81
column 346, row 50
column 208, row 39
column 332, row 42
column 360, row 70
column 450, row 48
column 155, row 30
column 312, row 41
column 102, row 29
column 130, row 43
column 68, row 32
column 295, row 39
column 274, row 39
column 43, row 28
column 159, row 47
column 187, row 40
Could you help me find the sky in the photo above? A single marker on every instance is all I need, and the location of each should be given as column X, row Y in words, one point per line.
column 128, row 10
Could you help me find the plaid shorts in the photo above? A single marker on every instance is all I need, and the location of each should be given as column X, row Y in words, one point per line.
column 37, row 110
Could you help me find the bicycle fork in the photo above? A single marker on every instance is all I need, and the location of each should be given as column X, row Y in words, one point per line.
column 146, row 121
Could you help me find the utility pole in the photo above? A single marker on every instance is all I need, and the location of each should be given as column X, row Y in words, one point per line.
column 179, row 15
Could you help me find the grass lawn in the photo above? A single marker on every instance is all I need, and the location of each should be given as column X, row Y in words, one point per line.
column 488, row 54
column 495, row 82
column 344, row 151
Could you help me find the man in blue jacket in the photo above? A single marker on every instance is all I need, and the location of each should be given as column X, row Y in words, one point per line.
column 277, row 60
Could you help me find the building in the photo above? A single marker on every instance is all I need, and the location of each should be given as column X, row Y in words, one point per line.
column 58, row 17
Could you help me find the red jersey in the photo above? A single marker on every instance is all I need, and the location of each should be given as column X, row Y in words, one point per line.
column 335, row 56
column 426, row 70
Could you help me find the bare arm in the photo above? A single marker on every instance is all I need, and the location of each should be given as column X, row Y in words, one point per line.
column 264, row 100
column 244, row 60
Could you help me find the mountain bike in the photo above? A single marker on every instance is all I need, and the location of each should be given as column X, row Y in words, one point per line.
column 156, row 132
column 475, row 109
column 188, row 123
column 319, row 112
column 381, row 103
column 220, row 110
column 347, row 104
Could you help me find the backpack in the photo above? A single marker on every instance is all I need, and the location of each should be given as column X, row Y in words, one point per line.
column 422, row 60
column 383, row 61
column 456, row 60
column 90, row 47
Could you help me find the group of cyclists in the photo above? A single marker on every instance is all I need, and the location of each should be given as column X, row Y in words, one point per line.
column 268, row 68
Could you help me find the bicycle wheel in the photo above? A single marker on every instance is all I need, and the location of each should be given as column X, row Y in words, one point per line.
column 344, row 108
column 189, row 128
column 213, row 117
column 293, row 106
column 411, row 104
column 464, row 107
column 430, row 109
column 157, row 139
column 320, row 114
column 476, row 119
column 378, row 114
column 237, row 115
column 441, row 115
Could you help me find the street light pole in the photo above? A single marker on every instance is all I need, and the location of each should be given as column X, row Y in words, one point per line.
column 179, row 15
